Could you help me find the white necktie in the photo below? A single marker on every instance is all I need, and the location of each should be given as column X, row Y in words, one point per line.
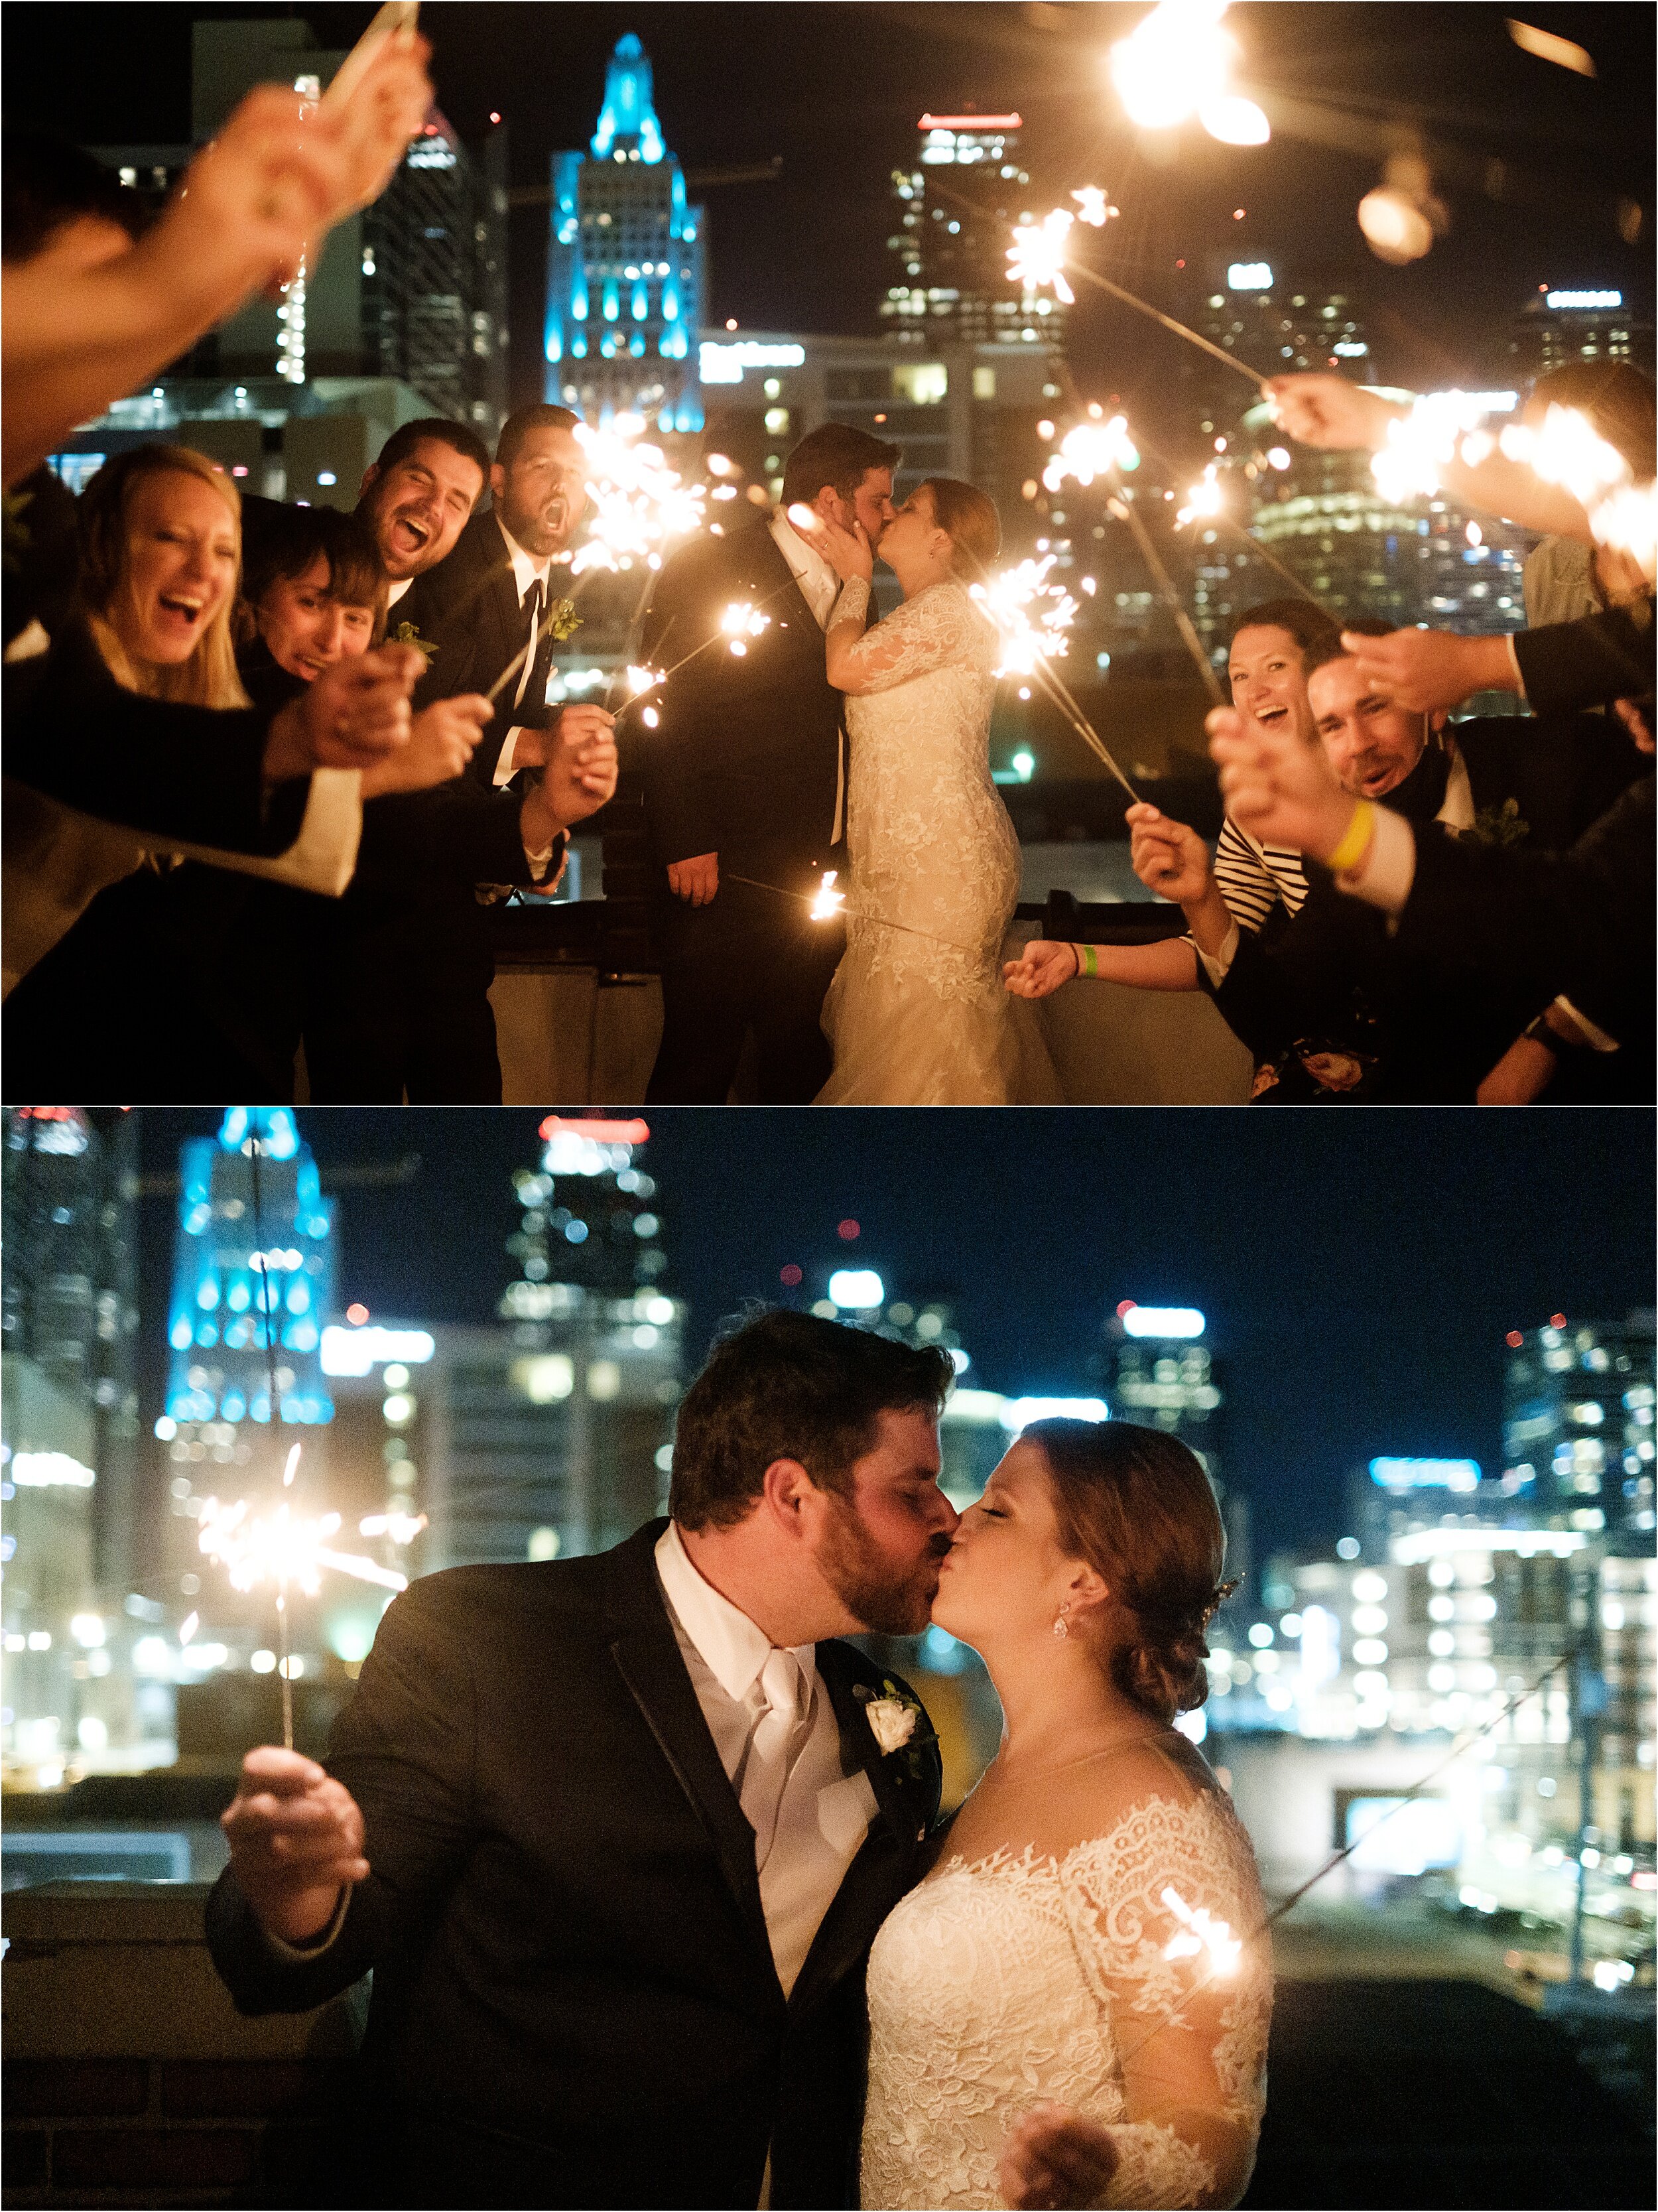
column 533, row 609
column 766, row 1772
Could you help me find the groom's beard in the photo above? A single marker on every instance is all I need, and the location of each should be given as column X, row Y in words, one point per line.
column 873, row 1590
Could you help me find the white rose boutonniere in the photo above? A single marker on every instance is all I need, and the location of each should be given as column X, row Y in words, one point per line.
column 893, row 1722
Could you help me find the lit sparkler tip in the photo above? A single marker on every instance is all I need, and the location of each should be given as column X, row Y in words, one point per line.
column 641, row 680
column 1200, row 1931
column 1202, row 498
column 802, row 516
column 828, row 901
column 1094, row 206
column 1036, row 257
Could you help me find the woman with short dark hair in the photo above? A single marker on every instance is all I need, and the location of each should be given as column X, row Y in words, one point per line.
column 1071, row 2007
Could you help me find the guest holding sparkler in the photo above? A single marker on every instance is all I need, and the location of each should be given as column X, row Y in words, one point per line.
column 915, row 1012
column 744, row 783
column 182, row 982
column 399, row 1004
column 1071, row 2007
column 1266, row 670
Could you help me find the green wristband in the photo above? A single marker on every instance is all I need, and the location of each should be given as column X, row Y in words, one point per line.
column 1090, row 965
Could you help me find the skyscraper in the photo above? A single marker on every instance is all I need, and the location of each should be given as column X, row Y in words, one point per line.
column 252, row 1277
column 625, row 262
column 67, row 1506
column 949, row 240
column 1557, row 327
column 548, row 1435
column 1578, row 1429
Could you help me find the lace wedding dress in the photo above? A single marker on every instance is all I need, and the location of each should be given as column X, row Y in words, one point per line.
column 996, row 1986
column 917, row 1013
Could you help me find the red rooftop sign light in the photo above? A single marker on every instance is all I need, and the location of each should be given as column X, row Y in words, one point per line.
column 596, row 1132
column 970, row 123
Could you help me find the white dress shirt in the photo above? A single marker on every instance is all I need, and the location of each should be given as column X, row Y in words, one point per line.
column 396, row 591
column 826, row 1810
column 820, row 587
column 527, row 572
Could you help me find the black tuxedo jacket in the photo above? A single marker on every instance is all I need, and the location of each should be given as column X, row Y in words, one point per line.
column 749, row 750
column 468, row 607
column 1435, row 1030
column 574, row 2001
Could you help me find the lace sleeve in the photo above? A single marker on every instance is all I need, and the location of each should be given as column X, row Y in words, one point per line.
column 938, row 628
column 1189, row 2027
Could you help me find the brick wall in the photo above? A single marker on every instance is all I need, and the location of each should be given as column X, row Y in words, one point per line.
column 129, row 2079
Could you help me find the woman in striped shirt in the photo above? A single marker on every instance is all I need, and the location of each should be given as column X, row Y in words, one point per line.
column 1265, row 668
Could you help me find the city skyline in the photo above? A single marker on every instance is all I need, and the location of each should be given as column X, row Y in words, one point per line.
column 1533, row 160
column 1382, row 1330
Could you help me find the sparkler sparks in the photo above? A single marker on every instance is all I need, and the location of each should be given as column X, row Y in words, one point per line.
column 1202, row 498
column 1031, row 614
column 740, row 622
column 830, row 902
column 1176, row 63
column 1092, row 449
column 1094, row 206
column 282, row 1549
column 1420, row 444
column 1036, row 257
column 1200, row 1933
column 638, row 504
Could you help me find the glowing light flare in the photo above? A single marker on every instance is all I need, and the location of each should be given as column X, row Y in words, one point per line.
column 1420, row 444
column 1092, row 449
column 638, row 503
column 1031, row 614
column 1627, row 521
column 1548, row 47
column 1235, row 121
column 1175, row 64
column 641, row 680
column 1395, row 227
column 1202, row 498
column 282, row 1550
column 830, row 902
column 1200, row 1933
column 1568, row 451
column 398, row 1528
column 188, row 1626
column 1036, row 258
column 801, row 516
column 1094, row 206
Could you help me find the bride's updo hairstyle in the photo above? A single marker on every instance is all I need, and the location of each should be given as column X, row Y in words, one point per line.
column 1136, row 1504
column 970, row 521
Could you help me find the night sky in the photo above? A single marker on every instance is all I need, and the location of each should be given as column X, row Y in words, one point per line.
column 1358, row 1269
column 835, row 90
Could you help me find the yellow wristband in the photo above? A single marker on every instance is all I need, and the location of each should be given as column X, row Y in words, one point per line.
column 1355, row 840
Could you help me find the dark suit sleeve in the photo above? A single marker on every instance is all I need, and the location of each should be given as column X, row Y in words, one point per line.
column 461, row 829
column 1277, row 988
column 1589, row 662
column 1577, row 924
column 404, row 1747
column 686, row 746
column 195, row 774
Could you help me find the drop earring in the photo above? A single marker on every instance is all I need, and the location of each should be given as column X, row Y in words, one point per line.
column 1060, row 1628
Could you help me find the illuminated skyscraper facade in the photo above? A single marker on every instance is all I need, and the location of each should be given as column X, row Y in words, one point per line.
column 1559, row 327
column 625, row 265
column 252, row 1277
column 949, row 245
column 1578, row 1429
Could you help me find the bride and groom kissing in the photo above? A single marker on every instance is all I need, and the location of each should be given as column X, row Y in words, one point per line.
column 820, row 741
column 646, row 1860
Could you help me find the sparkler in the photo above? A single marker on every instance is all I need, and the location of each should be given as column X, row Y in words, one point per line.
column 1029, row 648
column 1092, row 449
column 282, row 1550
column 1094, row 206
column 741, row 621
column 1200, row 1932
column 828, row 901
column 1124, row 511
column 1175, row 63
column 1036, row 257
column 640, row 504
column 1202, row 498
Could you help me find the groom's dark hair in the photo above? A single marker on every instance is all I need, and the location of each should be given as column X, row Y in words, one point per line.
column 789, row 1386
column 835, row 453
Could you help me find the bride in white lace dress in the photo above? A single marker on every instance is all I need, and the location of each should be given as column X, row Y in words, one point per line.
column 916, row 1012
column 1071, row 2007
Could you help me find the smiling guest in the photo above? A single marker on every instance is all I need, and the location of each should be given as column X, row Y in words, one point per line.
column 1332, row 1008
column 314, row 592
column 418, row 496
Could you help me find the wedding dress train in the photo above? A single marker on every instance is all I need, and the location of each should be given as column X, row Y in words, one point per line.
column 917, row 1013
column 997, row 1986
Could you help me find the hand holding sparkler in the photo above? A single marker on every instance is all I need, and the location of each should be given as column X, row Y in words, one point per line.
column 1425, row 670
column 1278, row 787
column 296, row 1840
column 1330, row 412
column 1167, row 857
column 579, row 778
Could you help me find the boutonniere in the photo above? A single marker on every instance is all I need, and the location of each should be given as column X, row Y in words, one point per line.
column 1497, row 825
column 898, row 1722
column 406, row 633
column 561, row 619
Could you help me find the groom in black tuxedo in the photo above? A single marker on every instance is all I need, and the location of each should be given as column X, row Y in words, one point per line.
column 745, row 780
column 615, row 1834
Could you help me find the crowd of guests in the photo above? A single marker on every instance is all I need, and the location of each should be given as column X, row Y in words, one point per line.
column 1405, row 907
column 268, row 766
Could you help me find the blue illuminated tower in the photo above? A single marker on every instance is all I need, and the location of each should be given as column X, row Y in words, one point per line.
column 250, row 1229
column 625, row 266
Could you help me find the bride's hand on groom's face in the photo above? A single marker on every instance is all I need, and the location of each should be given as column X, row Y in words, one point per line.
column 1053, row 2157
column 846, row 550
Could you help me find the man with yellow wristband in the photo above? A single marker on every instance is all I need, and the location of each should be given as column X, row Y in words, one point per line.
column 1331, row 1005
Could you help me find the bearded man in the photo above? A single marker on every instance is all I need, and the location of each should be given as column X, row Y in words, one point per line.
column 615, row 1834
